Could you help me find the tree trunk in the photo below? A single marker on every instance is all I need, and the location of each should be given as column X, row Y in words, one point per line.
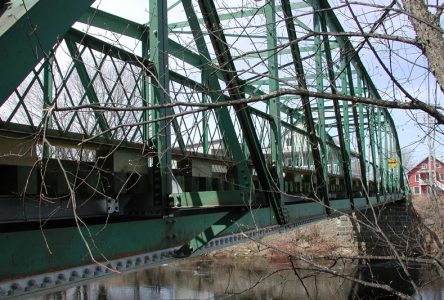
column 429, row 35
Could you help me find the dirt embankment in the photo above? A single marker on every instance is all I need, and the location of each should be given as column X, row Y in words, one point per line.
column 321, row 239
column 430, row 211
column 313, row 240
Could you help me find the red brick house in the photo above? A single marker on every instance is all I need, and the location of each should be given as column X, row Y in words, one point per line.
column 420, row 183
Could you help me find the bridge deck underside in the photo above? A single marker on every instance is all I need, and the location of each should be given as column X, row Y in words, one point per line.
column 119, row 138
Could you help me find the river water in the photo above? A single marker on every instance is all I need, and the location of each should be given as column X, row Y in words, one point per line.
column 252, row 278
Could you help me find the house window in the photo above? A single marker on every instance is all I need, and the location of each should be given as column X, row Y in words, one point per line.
column 424, row 166
column 417, row 190
column 441, row 176
column 437, row 165
column 417, row 177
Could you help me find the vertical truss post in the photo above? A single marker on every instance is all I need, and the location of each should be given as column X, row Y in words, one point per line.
column 204, row 117
column 47, row 99
column 160, row 87
column 345, row 152
column 209, row 78
column 397, row 150
column 358, row 121
column 346, row 128
column 321, row 174
column 372, row 143
column 381, row 152
column 145, row 88
column 390, row 156
column 294, row 163
column 273, row 84
column 345, row 112
column 401, row 183
column 396, row 182
column 362, row 138
column 231, row 79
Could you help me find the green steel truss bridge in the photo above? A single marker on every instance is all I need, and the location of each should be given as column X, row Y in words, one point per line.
column 126, row 143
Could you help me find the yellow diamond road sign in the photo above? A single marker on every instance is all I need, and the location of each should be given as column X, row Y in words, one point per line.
column 392, row 163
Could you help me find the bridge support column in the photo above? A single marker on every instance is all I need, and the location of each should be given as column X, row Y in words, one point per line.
column 380, row 231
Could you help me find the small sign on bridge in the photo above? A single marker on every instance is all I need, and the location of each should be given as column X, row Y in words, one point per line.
column 392, row 163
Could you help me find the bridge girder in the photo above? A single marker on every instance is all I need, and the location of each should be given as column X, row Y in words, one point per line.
column 156, row 131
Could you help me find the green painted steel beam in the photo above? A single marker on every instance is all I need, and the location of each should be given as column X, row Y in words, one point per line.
column 358, row 119
column 205, row 116
column 216, row 229
column 250, row 36
column 273, row 85
column 174, row 5
column 238, row 14
column 145, row 90
column 259, row 55
column 345, row 152
column 47, row 100
column 380, row 148
column 372, row 142
column 158, row 37
column 320, row 103
column 289, row 79
column 223, row 116
column 228, row 71
column 31, row 252
column 106, row 21
column 28, row 34
column 286, row 52
column 384, row 151
column 344, row 111
column 322, row 180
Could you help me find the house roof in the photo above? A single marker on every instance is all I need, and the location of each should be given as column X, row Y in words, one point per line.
column 421, row 162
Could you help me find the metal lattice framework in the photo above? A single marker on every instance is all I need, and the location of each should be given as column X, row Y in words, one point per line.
column 121, row 138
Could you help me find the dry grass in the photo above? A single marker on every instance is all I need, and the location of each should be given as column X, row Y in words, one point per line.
column 431, row 213
column 314, row 240
column 321, row 239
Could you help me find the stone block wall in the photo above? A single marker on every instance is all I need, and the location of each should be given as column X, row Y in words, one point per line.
column 378, row 231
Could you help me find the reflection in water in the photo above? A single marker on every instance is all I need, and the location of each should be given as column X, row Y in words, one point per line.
column 243, row 278
column 433, row 291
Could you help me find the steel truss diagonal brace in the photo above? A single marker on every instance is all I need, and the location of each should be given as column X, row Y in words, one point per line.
column 222, row 114
column 87, row 85
column 322, row 180
column 345, row 153
column 28, row 34
column 210, row 233
column 228, row 70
